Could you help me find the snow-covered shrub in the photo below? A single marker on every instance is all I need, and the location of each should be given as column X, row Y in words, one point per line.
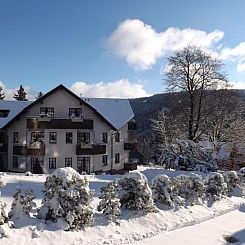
column 216, row 186
column 162, row 190
column 135, row 194
column 3, row 213
column 23, row 204
column 67, row 198
column 189, row 187
column 241, row 174
column 28, row 173
column 186, row 155
column 232, row 180
column 110, row 202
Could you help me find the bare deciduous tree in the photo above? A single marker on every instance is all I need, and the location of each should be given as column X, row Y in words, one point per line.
column 195, row 72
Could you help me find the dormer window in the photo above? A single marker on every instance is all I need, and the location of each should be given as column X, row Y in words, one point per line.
column 47, row 111
column 4, row 113
column 75, row 112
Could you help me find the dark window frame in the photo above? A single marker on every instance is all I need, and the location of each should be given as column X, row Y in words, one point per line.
column 47, row 110
column 117, row 158
column 4, row 113
column 83, row 137
column 68, row 162
column 52, row 137
column 16, row 137
column 105, row 137
column 77, row 111
column 117, row 137
column 37, row 137
column 83, row 164
column 104, row 160
column 52, row 163
column 69, row 137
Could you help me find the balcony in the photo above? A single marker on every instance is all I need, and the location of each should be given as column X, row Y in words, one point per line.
column 93, row 149
column 128, row 146
column 58, row 123
column 130, row 166
column 29, row 150
column 132, row 125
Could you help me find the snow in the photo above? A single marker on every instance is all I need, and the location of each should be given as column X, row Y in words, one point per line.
column 15, row 108
column 143, row 228
column 108, row 108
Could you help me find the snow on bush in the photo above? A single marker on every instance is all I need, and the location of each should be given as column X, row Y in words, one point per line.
column 162, row 190
column 232, row 180
column 241, row 174
column 135, row 194
column 190, row 188
column 23, row 204
column 3, row 210
column 187, row 155
column 67, row 199
column 110, row 202
column 216, row 187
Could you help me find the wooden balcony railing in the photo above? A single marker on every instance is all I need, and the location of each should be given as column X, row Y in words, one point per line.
column 29, row 150
column 130, row 145
column 130, row 166
column 57, row 123
column 95, row 149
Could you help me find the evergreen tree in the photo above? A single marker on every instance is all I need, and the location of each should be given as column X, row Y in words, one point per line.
column 2, row 95
column 110, row 203
column 21, row 94
column 39, row 95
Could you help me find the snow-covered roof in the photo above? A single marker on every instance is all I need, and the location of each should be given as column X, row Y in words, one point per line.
column 116, row 111
column 14, row 107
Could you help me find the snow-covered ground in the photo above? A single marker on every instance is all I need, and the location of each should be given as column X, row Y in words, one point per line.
column 132, row 229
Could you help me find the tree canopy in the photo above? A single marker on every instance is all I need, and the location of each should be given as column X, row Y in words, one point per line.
column 21, row 94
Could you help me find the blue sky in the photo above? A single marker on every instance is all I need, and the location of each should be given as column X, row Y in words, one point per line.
column 108, row 48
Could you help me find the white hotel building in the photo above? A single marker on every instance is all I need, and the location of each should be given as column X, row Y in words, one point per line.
column 61, row 129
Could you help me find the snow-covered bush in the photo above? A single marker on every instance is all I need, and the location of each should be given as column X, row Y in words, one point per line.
column 110, row 202
column 241, row 174
column 216, row 187
column 135, row 194
column 232, row 180
column 23, row 204
column 162, row 190
column 67, row 198
column 3, row 213
column 189, row 187
column 186, row 155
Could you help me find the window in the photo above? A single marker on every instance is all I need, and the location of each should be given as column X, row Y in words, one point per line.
column 16, row 137
column 117, row 137
column 83, row 137
column 117, row 158
column 47, row 110
column 52, row 163
column 37, row 137
column 68, row 162
column 104, row 138
column 75, row 112
column 83, row 164
column 4, row 113
column 104, row 160
column 52, row 137
column 68, row 137
column 15, row 162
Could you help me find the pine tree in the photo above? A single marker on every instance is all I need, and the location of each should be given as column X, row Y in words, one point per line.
column 39, row 95
column 110, row 203
column 2, row 95
column 21, row 94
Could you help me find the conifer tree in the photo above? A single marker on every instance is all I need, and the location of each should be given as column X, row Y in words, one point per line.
column 2, row 95
column 21, row 94
column 110, row 203
column 39, row 95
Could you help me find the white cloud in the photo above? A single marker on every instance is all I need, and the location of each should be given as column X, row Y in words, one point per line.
column 141, row 45
column 238, row 85
column 117, row 89
column 9, row 92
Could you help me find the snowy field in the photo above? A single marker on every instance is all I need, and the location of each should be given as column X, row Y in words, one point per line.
column 155, row 228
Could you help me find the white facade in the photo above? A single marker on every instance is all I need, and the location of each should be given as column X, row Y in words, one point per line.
column 41, row 143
